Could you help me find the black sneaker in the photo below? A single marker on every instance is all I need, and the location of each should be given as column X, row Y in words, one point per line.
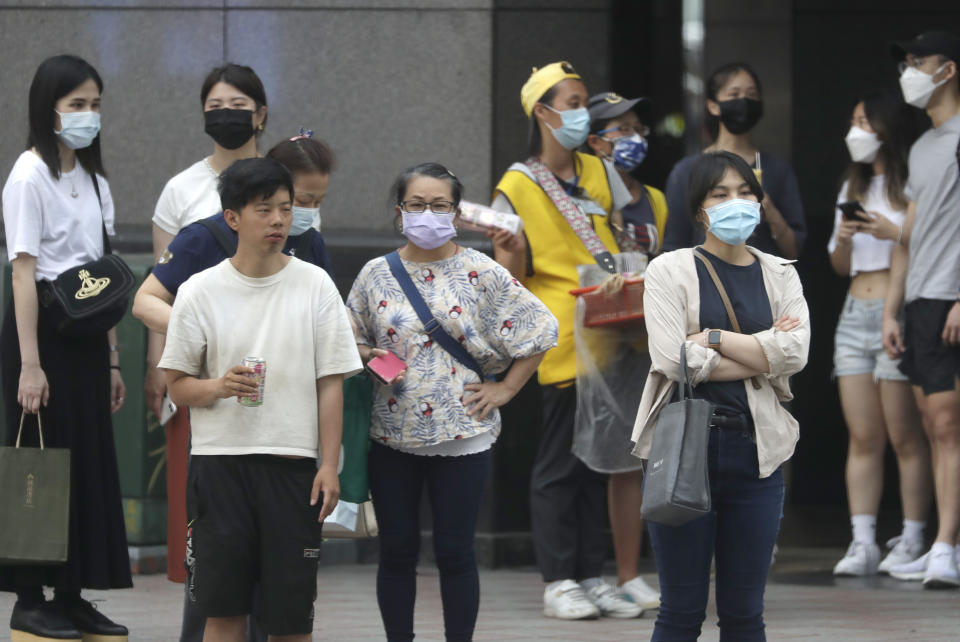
column 42, row 622
column 95, row 626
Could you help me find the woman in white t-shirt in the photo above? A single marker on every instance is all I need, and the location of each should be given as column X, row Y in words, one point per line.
column 235, row 113
column 56, row 218
column 876, row 397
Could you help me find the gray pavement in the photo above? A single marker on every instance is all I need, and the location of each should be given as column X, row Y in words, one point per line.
column 803, row 603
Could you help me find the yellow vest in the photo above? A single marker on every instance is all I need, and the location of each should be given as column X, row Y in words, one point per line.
column 557, row 251
column 658, row 203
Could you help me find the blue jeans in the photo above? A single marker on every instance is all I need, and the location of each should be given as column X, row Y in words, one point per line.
column 454, row 486
column 739, row 532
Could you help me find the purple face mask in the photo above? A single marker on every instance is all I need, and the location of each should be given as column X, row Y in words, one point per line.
column 427, row 230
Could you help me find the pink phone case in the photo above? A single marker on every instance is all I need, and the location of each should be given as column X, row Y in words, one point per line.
column 386, row 368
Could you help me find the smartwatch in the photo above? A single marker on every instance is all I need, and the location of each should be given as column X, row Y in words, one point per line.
column 714, row 337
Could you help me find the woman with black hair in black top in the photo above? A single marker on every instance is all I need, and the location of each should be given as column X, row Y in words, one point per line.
column 734, row 106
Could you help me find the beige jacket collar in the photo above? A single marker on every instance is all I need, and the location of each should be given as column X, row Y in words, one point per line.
column 672, row 312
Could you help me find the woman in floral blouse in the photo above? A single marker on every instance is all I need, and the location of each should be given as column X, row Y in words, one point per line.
column 435, row 426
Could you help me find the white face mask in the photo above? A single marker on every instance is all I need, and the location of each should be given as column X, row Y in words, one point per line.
column 863, row 145
column 303, row 219
column 78, row 128
column 917, row 86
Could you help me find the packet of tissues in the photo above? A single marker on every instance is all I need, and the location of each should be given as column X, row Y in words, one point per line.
column 482, row 218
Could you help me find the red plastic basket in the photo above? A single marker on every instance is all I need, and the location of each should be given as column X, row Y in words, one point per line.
column 623, row 308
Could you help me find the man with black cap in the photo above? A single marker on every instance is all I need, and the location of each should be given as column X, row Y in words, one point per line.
column 925, row 274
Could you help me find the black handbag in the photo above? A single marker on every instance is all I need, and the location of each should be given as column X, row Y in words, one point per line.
column 676, row 485
column 92, row 297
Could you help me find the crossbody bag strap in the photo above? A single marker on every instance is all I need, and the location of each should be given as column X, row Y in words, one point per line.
column 430, row 324
column 723, row 297
column 574, row 216
column 723, row 292
column 107, row 249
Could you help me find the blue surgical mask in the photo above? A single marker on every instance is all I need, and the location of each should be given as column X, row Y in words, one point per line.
column 427, row 230
column 575, row 128
column 734, row 221
column 629, row 151
column 78, row 128
column 303, row 218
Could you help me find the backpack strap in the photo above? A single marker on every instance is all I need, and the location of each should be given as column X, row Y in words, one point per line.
column 430, row 324
column 723, row 297
column 226, row 241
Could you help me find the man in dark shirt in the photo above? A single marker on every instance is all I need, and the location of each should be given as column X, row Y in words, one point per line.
column 205, row 243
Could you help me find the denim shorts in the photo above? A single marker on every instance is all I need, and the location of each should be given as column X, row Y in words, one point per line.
column 858, row 345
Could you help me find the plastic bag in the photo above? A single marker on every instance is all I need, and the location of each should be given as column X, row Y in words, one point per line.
column 612, row 367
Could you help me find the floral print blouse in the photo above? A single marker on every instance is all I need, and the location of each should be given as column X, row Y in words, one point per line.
column 477, row 302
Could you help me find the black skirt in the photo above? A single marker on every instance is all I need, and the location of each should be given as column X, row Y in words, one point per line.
column 77, row 417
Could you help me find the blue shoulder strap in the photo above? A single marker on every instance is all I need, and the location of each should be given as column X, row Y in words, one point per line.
column 430, row 325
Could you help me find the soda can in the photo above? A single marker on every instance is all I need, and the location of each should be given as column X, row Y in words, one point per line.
column 259, row 366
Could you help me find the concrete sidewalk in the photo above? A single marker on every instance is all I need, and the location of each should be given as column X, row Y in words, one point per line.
column 804, row 602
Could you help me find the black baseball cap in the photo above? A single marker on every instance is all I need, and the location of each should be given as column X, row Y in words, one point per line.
column 610, row 105
column 943, row 43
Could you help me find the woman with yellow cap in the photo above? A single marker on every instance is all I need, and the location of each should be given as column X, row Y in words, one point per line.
column 569, row 203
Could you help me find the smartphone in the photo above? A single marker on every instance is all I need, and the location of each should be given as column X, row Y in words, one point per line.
column 853, row 211
column 386, row 368
column 167, row 410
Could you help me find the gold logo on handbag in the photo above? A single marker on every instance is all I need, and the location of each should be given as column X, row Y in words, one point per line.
column 91, row 286
column 28, row 496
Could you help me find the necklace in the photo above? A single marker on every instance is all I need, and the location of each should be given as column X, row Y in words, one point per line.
column 206, row 163
column 73, row 188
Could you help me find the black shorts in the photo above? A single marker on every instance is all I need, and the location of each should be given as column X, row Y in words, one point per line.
column 927, row 361
column 249, row 521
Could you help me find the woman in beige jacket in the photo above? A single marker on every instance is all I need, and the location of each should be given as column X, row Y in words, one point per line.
column 744, row 374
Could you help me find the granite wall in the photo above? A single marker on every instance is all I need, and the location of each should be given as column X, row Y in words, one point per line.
column 387, row 83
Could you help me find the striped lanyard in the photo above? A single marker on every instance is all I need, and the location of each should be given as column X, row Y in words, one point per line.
column 572, row 213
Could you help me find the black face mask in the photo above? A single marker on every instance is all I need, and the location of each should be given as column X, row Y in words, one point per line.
column 229, row 128
column 740, row 114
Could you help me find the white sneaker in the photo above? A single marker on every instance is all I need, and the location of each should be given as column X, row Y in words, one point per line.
column 911, row 571
column 642, row 593
column 902, row 551
column 941, row 571
column 861, row 559
column 568, row 601
column 613, row 603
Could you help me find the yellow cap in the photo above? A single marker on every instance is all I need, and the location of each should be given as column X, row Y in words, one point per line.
column 541, row 80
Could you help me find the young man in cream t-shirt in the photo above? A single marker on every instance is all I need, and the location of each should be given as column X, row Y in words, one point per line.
column 253, row 470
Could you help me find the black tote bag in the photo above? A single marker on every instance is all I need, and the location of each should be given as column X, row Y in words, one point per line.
column 34, row 503
column 676, row 482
